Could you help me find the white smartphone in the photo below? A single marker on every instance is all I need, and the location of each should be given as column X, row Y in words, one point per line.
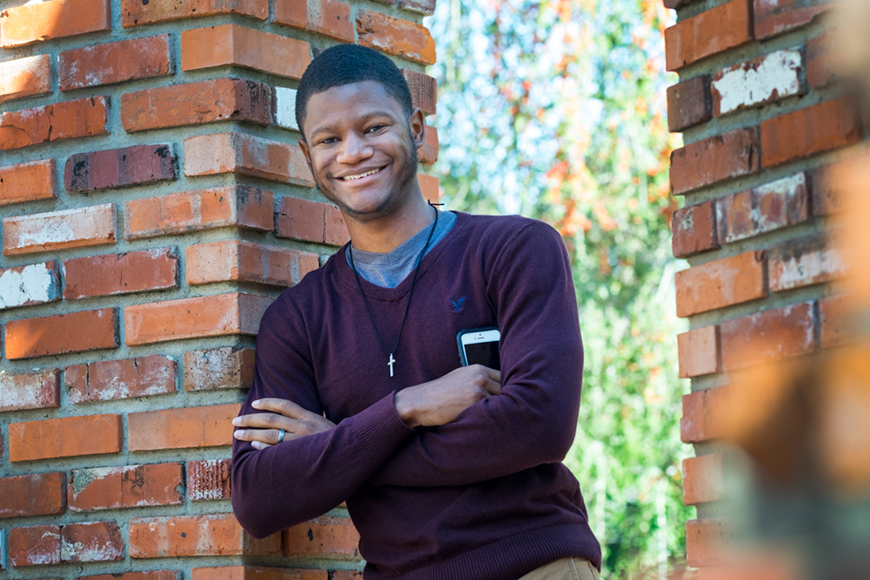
column 479, row 346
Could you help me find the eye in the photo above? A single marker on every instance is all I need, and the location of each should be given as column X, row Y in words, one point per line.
column 375, row 128
column 327, row 141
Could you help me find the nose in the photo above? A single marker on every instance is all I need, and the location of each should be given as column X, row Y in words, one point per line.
column 354, row 149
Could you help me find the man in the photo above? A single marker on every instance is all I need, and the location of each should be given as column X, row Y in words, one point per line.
column 448, row 472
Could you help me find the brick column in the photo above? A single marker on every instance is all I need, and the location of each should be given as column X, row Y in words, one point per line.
column 154, row 201
column 764, row 123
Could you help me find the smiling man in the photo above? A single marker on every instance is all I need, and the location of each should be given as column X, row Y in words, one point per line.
column 449, row 472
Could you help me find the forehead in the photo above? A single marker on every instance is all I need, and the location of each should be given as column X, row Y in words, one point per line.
column 346, row 103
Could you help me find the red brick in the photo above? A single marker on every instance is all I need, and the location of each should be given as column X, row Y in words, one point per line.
column 772, row 206
column 221, row 315
column 104, row 488
column 91, row 542
column 767, row 336
column 716, row 30
column 123, row 167
column 347, row 575
column 120, row 379
column 327, row 17
column 181, row 428
column 27, row 182
column 52, row 20
column 836, row 322
column 246, row 155
column 720, row 283
column 34, row 390
column 829, row 190
column 698, row 351
column 25, row 77
column 231, row 44
column 702, row 479
column 137, row 13
column 196, row 104
column 66, row 120
column 699, row 421
column 689, row 103
column 429, row 187
column 819, row 72
column 323, row 537
column 426, row 7
column 65, row 437
column 310, row 221
column 59, row 230
column 240, row 261
column 428, row 153
column 816, row 129
column 115, row 62
column 208, row 535
column 805, row 263
column 708, row 542
column 257, row 573
column 39, row 494
column 149, row 575
column 694, row 229
column 28, row 285
column 714, row 159
column 778, row 16
column 772, row 77
column 234, row 206
column 62, row 333
column 112, row 274
column 34, row 546
column 395, row 36
column 218, row 368
column 424, row 91
column 208, row 479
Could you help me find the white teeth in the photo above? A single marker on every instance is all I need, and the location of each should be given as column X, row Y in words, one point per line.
column 360, row 176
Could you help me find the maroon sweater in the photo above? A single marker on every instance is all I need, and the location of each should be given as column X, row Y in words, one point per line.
column 485, row 497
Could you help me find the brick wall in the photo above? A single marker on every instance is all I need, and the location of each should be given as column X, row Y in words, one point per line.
column 765, row 124
column 153, row 203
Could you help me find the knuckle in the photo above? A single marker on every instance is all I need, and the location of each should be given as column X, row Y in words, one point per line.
column 270, row 419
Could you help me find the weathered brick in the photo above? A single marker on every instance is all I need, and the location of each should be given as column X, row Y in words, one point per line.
column 120, row 379
column 702, row 479
column 246, row 155
column 34, row 546
column 428, row 152
column 772, row 206
column 91, row 542
column 424, row 91
column 698, row 351
column 829, row 191
column 220, row 315
column 836, row 321
column 234, row 206
column 395, row 36
column 112, row 274
column 284, row 108
column 27, row 182
column 769, row 78
column 326, row 536
column 39, row 494
column 429, row 187
column 208, row 479
column 137, row 13
column 240, row 261
column 208, row 101
column 689, row 103
column 66, row 120
column 694, row 229
column 65, row 437
column 819, row 72
column 708, row 542
column 805, row 132
column 209, row 535
column 347, row 575
column 149, row 575
column 27, row 285
column 700, row 422
column 257, row 573
column 327, row 17
column 804, row 263
column 310, row 221
column 104, row 488
column 123, row 167
column 52, row 20
column 426, row 7
column 719, row 29
column 59, row 230
column 34, row 390
column 714, row 159
column 218, row 368
column 767, row 336
column 720, row 283
column 232, row 44
column 115, row 62
column 62, row 333
column 25, row 77
column 181, row 428
column 778, row 16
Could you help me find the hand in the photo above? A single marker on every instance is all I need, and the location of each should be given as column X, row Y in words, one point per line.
column 440, row 401
column 281, row 414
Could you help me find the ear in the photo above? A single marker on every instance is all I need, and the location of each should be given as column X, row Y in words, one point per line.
column 417, row 124
column 303, row 145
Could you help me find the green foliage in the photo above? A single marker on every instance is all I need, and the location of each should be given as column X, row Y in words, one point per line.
column 554, row 109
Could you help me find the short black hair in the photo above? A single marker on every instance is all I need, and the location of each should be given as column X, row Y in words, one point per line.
column 346, row 64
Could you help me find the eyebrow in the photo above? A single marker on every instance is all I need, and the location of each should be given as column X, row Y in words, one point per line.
column 364, row 118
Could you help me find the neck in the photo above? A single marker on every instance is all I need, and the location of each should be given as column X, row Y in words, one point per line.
column 387, row 233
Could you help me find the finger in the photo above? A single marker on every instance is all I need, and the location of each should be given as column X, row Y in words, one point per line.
column 283, row 407
column 491, row 374
column 264, row 421
column 258, row 436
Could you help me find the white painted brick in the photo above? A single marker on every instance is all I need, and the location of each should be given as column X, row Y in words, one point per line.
column 769, row 78
column 285, row 108
column 37, row 390
column 26, row 285
column 71, row 228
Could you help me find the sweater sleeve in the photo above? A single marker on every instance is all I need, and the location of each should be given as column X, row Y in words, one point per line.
column 533, row 421
column 294, row 481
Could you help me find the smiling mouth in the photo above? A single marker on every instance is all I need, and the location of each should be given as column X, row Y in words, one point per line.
column 361, row 175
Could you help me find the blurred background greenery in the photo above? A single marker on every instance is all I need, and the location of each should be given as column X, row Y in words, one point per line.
column 556, row 110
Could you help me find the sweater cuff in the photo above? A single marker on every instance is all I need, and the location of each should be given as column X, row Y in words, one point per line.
column 379, row 429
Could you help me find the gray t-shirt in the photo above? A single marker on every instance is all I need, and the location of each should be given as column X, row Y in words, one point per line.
column 388, row 270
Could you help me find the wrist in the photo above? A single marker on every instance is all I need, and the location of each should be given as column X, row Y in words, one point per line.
column 404, row 403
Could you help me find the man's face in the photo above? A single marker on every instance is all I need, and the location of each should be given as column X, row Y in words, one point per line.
column 362, row 149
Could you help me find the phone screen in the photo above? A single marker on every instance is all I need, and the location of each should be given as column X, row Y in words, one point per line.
column 483, row 353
